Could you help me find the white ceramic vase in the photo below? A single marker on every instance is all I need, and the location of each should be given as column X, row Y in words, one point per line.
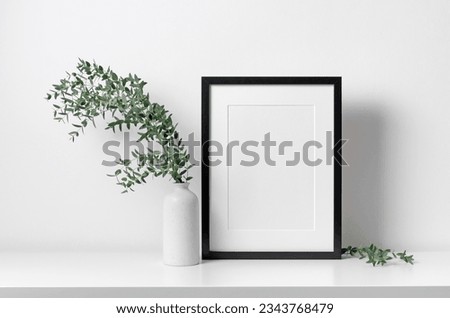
column 181, row 238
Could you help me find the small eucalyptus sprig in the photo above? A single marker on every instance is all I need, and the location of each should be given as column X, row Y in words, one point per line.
column 376, row 255
column 92, row 91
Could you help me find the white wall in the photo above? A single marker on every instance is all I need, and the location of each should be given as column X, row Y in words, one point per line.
column 393, row 57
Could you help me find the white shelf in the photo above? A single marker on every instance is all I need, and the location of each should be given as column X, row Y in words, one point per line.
column 144, row 275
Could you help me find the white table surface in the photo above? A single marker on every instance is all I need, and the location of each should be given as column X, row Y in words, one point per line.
column 144, row 274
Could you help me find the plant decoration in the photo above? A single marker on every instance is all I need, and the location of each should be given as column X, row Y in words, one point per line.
column 93, row 91
column 376, row 255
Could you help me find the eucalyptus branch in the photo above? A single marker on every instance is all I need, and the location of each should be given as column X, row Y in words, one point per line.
column 376, row 255
column 93, row 91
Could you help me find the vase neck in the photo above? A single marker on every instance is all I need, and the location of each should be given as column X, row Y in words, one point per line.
column 181, row 186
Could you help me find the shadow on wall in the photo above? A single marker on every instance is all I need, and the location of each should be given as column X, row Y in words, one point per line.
column 362, row 180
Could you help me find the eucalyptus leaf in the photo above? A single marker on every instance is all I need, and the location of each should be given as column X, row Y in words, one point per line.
column 376, row 255
column 93, row 90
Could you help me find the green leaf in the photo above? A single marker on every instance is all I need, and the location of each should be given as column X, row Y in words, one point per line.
column 377, row 256
column 92, row 91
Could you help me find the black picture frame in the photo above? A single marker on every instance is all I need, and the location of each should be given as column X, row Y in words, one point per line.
column 207, row 253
